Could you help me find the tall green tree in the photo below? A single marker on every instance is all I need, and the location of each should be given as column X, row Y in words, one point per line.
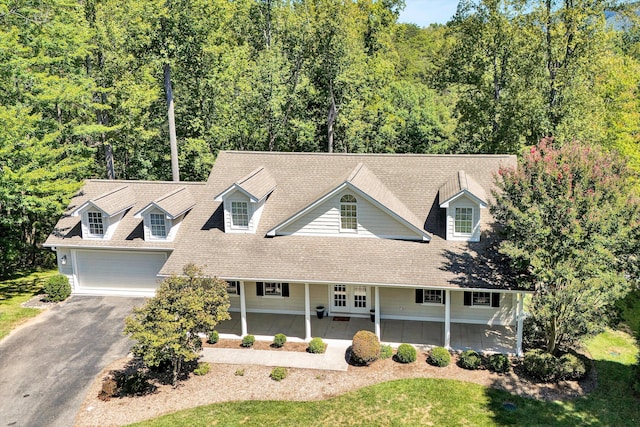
column 166, row 328
column 570, row 217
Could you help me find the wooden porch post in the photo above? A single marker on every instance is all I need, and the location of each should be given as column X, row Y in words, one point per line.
column 243, row 309
column 307, row 315
column 447, row 319
column 519, row 323
column 377, row 313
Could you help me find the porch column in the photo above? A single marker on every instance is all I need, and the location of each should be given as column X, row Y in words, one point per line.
column 519, row 321
column 307, row 315
column 243, row 309
column 447, row 319
column 377, row 313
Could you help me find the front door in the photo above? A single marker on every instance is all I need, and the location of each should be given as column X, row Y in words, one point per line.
column 350, row 299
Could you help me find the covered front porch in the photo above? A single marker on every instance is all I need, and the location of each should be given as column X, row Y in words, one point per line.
column 422, row 334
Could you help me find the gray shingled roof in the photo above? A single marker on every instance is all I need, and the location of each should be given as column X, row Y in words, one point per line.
column 458, row 183
column 113, row 201
column 129, row 233
column 413, row 179
column 172, row 204
column 258, row 184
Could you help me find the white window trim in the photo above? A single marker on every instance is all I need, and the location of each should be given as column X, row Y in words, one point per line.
column 431, row 303
column 104, row 223
column 233, row 225
column 264, row 290
column 355, row 204
column 458, row 233
column 236, row 285
column 483, row 307
column 167, row 226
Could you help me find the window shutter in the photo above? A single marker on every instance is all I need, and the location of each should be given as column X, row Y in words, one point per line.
column 238, row 288
column 444, row 296
column 467, row 298
column 419, row 296
column 495, row 299
column 259, row 289
column 285, row 290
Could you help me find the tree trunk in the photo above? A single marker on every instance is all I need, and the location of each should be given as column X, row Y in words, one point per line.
column 331, row 118
column 175, row 171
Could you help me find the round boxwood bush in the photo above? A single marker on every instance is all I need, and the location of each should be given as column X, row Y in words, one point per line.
column 541, row 365
column 470, row 359
column 213, row 337
column 248, row 341
column 365, row 348
column 278, row 374
column 57, row 288
column 386, row 351
column 571, row 367
column 316, row 345
column 499, row 363
column 203, row 368
column 279, row 340
column 439, row 356
column 406, row 353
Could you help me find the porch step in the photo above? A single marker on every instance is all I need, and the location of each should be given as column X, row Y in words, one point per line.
column 332, row 360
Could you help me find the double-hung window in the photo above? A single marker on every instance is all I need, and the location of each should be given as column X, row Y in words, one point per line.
column 233, row 287
column 482, row 299
column 96, row 226
column 430, row 296
column 239, row 214
column 348, row 213
column 158, row 226
column 464, row 221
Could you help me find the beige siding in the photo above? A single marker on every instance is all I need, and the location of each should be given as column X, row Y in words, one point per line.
column 502, row 315
column 400, row 302
column 293, row 304
column 372, row 221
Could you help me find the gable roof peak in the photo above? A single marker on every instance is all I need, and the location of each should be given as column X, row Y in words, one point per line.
column 462, row 183
column 111, row 202
column 256, row 185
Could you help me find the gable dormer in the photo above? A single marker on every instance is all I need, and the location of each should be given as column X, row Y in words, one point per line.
column 462, row 197
column 243, row 201
column 358, row 205
column 100, row 216
column 162, row 217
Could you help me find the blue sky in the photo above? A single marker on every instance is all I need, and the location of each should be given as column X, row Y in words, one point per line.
column 425, row 12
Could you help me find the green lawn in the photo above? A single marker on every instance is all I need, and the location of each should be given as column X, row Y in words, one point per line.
column 446, row 402
column 15, row 291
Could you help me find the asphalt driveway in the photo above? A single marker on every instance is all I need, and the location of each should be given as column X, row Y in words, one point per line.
column 47, row 366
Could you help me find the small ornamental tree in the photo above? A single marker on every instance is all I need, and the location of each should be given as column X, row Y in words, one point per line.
column 166, row 328
column 569, row 216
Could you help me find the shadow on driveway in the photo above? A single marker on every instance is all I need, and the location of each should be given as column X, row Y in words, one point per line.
column 47, row 366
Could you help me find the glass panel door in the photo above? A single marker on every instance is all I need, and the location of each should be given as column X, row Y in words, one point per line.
column 339, row 300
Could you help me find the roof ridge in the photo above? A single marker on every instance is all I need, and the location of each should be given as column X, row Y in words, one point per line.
column 355, row 171
column 322, row 154
column 250, row 175
column 110, row 192
column 141, row 181
column 169, row 194
column 462, row 180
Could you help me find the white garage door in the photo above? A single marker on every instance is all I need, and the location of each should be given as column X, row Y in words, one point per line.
column 118, row 272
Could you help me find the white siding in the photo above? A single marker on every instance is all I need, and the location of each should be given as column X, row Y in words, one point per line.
column 171, row 226
column 254, row 212
column 372, row 221
column 463, row 202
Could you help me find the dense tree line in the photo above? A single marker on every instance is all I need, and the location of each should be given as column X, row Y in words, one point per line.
column 83, row 87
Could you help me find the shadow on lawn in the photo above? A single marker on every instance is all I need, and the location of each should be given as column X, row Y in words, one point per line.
column 611, row 403
column 18, row 285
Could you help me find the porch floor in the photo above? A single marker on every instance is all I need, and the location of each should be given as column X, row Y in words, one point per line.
column 493, row 339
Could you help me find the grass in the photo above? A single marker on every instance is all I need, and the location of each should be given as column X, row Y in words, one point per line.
column 446, row 402
column 16, row 290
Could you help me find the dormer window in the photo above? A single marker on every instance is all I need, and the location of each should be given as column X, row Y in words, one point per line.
column 239, row 214
column 463, row 221
column 348, row 213
column 158, row 226
column 96, row 226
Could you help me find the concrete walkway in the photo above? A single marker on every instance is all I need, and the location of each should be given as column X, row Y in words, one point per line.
column 331, row 360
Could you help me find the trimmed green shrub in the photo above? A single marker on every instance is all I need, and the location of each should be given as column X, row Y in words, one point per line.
column 541, row 365
column 213, row 337
column 203, row 368
column 499, row 363
column 57, row 288
column 248, row 341
column 406, row 353
column 278, row 374
column 571, row 367
column 279, row 340
column 365, row 348
column 439, row 356
column 386, row 351
column 316, row 345
column 239, row 373
column 470, row 359
column 133, row 383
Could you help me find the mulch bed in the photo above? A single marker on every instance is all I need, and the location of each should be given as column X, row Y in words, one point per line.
column 258, row 345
